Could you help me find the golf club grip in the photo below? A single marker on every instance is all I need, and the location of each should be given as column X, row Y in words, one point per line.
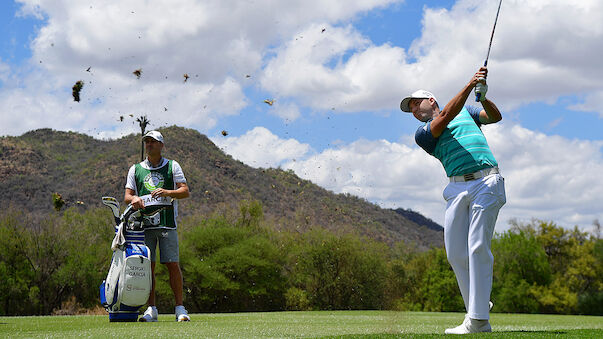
column 477, row 94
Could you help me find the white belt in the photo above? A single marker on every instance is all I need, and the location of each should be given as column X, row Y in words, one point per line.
column 475, row 175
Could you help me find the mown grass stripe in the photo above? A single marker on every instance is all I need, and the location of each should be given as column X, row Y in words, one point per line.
column 320, row 324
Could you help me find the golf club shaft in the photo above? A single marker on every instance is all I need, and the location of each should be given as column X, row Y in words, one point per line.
column 477, row 94
column 492, row 35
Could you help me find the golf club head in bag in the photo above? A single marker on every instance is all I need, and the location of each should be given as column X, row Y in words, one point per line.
column 113, row 204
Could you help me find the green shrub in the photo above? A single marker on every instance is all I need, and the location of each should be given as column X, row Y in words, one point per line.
column 47, row 261
column 297, row 299
column 340, row 272
column 232, row 267
column 439, row 288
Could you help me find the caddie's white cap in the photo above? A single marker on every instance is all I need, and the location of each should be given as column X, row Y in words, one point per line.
column 155, row 135
column 420, row 94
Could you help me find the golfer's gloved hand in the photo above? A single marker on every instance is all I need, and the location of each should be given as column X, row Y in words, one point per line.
column 480, row 91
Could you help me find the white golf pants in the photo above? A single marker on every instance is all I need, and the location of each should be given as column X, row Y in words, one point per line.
column 471, row 212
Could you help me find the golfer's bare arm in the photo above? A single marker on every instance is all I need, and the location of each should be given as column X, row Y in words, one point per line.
column 454, row 106
column 490, row 114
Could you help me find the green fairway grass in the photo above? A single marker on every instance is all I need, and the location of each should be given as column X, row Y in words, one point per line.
column 323, row 324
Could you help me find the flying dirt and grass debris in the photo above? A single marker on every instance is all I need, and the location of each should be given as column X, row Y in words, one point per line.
column 138, row 73
column 76, row 90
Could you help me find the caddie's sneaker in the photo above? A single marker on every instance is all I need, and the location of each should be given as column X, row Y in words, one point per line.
column 150, row 315
column 470, row 326
column 181, row 314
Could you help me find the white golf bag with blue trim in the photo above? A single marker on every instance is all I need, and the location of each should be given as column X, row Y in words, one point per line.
column 128, row 284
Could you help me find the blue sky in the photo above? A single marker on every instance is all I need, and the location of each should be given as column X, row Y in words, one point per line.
column 335, row 118
column 17, row 33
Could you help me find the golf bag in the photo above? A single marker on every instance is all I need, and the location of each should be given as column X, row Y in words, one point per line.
column 128, row 284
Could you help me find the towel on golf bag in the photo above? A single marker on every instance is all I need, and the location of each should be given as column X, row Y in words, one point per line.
column 119, row 238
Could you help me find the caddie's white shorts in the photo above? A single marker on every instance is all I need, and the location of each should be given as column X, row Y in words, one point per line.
column 471, row 212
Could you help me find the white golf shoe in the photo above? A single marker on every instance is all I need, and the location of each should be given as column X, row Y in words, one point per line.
column 182, row 314
column 150, row 315
column 470, row 326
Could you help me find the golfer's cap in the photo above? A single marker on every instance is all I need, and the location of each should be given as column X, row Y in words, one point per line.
column 420, row 94
column 155, row 135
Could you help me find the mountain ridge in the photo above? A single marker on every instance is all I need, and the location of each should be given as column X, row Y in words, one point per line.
column 82, row 169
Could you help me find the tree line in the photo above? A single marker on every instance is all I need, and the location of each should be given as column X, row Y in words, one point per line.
column 237, row 261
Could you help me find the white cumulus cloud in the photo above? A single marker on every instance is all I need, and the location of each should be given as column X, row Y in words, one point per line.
column 549, row 177
column 261, row 148
column 534, row 57
column 546, row 177
column 217, row 43
column 390, row 174
column 287, row 111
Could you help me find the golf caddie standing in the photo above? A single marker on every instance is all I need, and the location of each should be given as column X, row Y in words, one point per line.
column 474, row 195
column 153, row 186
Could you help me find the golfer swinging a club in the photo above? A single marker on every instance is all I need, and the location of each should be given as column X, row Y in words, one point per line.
column 474, row 195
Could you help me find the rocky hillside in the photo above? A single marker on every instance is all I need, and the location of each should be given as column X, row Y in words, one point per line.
column 83, row 169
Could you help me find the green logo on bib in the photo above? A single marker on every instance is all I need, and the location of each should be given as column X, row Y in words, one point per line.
column 153, row 181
